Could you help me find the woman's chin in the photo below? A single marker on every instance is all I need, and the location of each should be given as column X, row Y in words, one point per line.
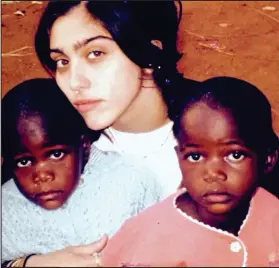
column 97, row 123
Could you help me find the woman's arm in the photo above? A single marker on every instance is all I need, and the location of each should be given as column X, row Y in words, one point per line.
column 76, row 256
column 20, row 262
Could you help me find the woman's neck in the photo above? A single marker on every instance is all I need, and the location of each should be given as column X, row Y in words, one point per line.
column 230, row 222
column 146, row 113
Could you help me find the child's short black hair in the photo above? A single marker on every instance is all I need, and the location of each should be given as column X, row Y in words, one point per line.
column 42, row 97
column 249, row 107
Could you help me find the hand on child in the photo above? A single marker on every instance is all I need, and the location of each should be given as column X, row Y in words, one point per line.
column 75, row 256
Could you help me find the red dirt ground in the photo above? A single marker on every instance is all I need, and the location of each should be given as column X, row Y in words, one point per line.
column 239, row 38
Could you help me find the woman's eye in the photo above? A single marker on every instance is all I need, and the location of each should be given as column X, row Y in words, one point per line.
column 236, row 156
column 22, row 163
column 194, row 157
column 61, row 63
column 95, row 54
column 56, row 155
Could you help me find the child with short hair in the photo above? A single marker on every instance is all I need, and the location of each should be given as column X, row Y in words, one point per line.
column 44, row 145
column 49, row 204
column 226, row 146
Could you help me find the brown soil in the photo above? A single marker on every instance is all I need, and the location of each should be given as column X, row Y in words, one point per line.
column 237, row 38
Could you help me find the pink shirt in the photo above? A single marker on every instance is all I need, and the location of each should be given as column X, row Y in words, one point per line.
column 163, row 235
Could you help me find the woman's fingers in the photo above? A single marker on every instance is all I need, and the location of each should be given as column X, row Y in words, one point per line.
column 81, row 256
column 92, row 248
column 101, row 243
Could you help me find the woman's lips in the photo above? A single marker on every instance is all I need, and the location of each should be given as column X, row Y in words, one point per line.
column 217, row 197
column 84, row 106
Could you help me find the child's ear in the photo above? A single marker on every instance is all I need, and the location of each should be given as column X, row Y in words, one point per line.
column 271, row 161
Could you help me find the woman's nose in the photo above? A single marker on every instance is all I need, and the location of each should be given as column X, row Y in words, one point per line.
column 78, row 79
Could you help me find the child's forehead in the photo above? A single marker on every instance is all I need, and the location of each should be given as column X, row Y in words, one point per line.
column 201, row 113
column 201, row 120
column 36, row 142
column 29, row 123
column 33, row 131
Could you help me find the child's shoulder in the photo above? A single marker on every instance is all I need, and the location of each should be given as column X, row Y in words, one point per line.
column 10, row 189
column 265, row 197
column 267, row 202
column 163, row 211
column 112, row 165
column 14, row 202
column 109, row 159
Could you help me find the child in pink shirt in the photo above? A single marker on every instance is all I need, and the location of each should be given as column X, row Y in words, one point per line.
column 226, row 146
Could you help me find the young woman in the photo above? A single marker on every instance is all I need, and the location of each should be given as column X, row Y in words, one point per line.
column 116, row 63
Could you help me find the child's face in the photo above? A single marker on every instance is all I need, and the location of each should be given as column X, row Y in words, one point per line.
column 46, row 172
column 218, row 170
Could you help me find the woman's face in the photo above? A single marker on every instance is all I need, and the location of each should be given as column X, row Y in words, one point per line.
column 93, row 72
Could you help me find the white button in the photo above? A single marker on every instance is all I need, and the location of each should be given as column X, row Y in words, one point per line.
column 235, row 246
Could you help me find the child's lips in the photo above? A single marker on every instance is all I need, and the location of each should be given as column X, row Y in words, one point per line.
column 217, row 197
column 49, row 196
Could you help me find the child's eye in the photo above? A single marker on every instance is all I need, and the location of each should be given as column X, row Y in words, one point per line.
column 194, row 157
column 236, row 156
column 95, row 54
column 24, row 162
column 56, row 155
column 61, row 63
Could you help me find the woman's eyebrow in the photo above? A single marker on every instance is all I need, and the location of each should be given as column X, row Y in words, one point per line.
column 79, row 44
column 56, row 50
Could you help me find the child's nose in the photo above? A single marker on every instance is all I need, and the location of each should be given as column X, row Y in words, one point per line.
column 214, row 172
column 43, row 174
column 215, row 176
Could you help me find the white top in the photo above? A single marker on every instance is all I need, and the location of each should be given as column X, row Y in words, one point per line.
column 112, row 192
column 154, row 150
